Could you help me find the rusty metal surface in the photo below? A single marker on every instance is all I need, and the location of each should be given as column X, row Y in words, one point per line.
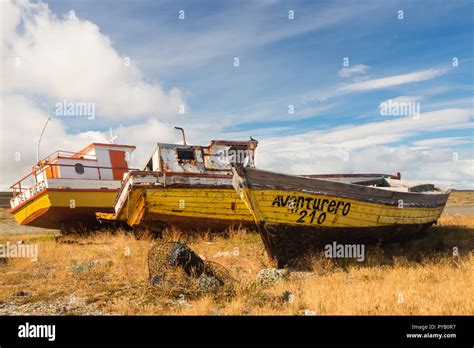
column 217, row 156
column 211, row 167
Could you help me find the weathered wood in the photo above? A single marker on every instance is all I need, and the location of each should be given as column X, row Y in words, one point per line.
column 296, row 214
column 260, row 179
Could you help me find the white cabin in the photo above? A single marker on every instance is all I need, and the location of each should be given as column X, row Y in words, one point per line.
column 97, row 166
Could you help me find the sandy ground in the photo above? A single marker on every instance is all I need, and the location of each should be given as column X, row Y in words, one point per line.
column 8, row 225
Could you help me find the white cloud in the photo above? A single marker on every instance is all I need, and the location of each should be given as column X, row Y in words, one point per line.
column 397, row 128
column 18, row 152
column 404, row 104
column 10, row 17
column 145, row 136
column 355, row 70
column 446, row 141
column 363, row 84
column 71, row 59
column 426, row 166
column 21, row 125
column 404, row 99
column 395, row 80
column 467, row 102
column 365, row 148
column 45, row 60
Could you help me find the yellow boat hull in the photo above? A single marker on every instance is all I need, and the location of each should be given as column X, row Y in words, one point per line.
column 184, row 207
column 64, row 209
column 297, row 215
column 275, row 206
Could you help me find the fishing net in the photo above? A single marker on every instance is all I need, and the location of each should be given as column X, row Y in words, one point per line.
column 175, row 267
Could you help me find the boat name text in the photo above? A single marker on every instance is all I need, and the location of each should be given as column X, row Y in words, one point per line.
column 313, row 205
column 293, row 202
column 24, row 196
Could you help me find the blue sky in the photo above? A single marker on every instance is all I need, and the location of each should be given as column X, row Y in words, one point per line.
column 295, row 62
column 277, row 71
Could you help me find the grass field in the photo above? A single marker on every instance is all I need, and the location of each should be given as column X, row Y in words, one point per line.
column 106, row 273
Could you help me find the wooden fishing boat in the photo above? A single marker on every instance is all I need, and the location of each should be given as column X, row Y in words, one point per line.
column 65, row 189
column 189, row 187
column 298, row 215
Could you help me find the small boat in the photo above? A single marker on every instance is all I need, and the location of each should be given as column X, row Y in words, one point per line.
column 185, row 186
column 65, row 189
column 298, row 215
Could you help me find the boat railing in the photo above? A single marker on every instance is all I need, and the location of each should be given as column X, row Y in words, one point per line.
column 31, row 179
column 66, row 154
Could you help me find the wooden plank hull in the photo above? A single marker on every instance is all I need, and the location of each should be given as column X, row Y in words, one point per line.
column 297, row 215
column 184, row 206
column 65, row 209
column 289, row 243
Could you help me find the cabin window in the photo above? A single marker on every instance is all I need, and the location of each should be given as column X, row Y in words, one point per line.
column 79, row 168
column 184, row 154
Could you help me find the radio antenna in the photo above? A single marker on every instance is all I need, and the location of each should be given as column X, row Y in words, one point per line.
column 39, row 140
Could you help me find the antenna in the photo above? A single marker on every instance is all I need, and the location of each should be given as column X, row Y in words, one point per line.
column 39, row 140
column 112, row 136
column 184, row 136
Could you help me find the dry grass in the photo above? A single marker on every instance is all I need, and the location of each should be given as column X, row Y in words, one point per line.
column 419, row 277
column 461, row 197
column 94, row 275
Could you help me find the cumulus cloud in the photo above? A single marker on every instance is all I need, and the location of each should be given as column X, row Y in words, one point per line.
column 47, row 60
column 364, row 148
column 438, row 167
column 70, row 59
column 21, row 125
column 145, row 137
column 18, row 152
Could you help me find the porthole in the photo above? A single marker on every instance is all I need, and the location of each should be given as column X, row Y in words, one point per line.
column 79, row 168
